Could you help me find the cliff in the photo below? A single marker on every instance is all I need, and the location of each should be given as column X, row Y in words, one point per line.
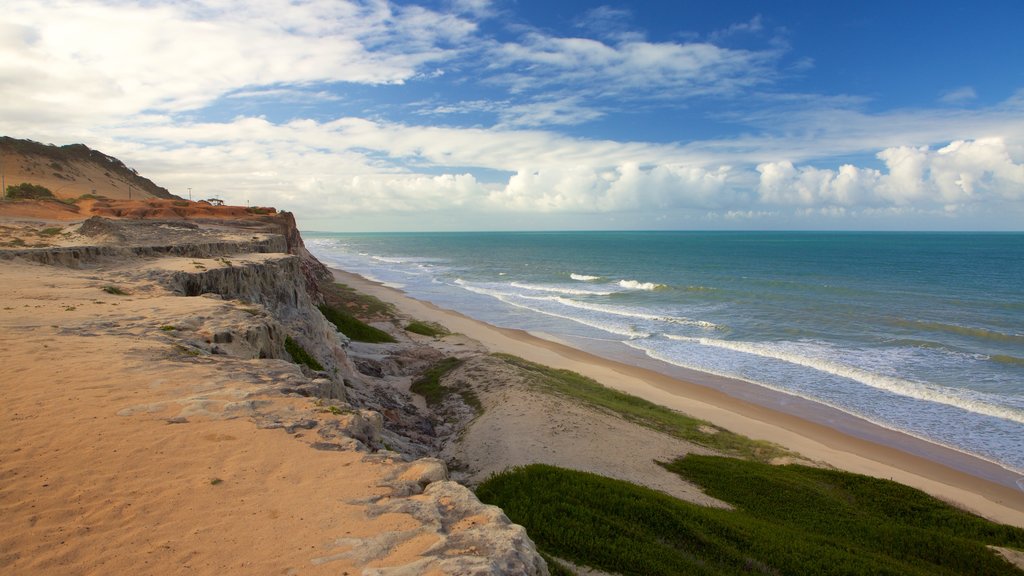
column 192, row 321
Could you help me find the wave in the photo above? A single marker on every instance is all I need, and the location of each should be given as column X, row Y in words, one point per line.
column 583, row 277
column 510, row 299
column 909, row 388
column 1007, row 359
column 388, row 260
column 636, row 285
column 561, row 289
column 980, row 333
column 626, row 312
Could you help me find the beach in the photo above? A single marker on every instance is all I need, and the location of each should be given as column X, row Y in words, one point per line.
column 994, row 500
column 160, row 421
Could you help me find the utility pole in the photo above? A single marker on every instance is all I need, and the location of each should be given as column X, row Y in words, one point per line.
column 129, row 191
column 189, row 194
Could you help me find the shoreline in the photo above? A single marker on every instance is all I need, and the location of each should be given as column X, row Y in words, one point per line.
column 696, row 394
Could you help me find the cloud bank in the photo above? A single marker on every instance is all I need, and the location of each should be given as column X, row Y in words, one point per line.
column 143, row 81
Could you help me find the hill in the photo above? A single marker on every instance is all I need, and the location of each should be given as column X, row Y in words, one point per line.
column 73, row 170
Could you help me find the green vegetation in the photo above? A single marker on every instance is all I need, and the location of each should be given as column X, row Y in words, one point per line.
column 363, row 306
column 429, row 385
column 215, row 481
column 568, row 383
column 353, row 327
column 27, row 191
column 115, row 291
column 260, row 210
column 788, row 520
column 299, row 354
column 53, row 231
column 168, row 328
column 431, row 329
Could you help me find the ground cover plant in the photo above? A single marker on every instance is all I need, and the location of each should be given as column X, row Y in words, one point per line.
column 300, row 355
column 568, row 383
column 430, row 387
column 788, row 520
column 363, row 306
column 353, row 327
column 431, row 329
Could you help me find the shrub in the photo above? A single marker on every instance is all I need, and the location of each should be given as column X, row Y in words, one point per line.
column 26, row 191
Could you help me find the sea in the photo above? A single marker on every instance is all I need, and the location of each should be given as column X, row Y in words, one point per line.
column 919, row 333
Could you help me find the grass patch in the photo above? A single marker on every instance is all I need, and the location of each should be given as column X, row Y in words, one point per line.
column 299, row 354
column 53, row 231
column 789, row 520
column 353, row 327
column 649, row 414
column 431, row 329
column 215, row 481
column 363, row 306
column 168, row 328
column 429, row 385
column 115, row 291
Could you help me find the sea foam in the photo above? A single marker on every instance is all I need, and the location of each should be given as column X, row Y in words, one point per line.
column 637, row 285
column 561, row 289
column 971, row 401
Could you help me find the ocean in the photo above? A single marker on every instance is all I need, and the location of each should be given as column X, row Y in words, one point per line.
column 922, row 333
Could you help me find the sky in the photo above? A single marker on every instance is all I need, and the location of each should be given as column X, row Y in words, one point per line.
column 377, row 115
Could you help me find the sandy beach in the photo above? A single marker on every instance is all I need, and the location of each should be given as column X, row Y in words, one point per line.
column 993, row 500
column 156, row 424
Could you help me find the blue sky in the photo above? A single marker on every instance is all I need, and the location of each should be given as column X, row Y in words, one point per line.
column 502, row 114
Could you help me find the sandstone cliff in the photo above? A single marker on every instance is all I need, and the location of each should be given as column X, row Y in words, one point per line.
column 211, row 305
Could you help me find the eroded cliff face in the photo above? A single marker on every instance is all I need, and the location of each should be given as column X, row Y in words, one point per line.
column 253, row 288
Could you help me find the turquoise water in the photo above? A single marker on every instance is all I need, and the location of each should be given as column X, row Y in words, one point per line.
column 919, row 332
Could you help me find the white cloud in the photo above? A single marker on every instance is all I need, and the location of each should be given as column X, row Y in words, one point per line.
column 630, row 68
column 89, row 59
column 961, row 173
column 564, row 111
column 958, row 95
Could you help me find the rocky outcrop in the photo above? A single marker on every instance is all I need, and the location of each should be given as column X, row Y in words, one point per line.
column 469, row 537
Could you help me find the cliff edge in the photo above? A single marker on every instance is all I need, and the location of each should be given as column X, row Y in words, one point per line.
column 179, row 404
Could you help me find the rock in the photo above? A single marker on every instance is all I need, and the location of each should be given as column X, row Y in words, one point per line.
column 470, row 537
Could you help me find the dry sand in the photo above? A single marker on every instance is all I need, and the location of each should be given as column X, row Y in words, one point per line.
column 121, row 453
column 814, row 441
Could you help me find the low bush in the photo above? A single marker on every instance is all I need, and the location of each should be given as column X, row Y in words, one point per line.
column 788, row 520
column 27, row 191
